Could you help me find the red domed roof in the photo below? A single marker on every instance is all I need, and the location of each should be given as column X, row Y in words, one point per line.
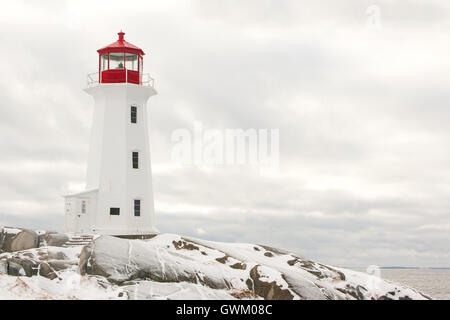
column 121, row 46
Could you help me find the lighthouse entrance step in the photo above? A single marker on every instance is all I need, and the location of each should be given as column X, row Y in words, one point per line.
column 78, row 240
column 85, row 239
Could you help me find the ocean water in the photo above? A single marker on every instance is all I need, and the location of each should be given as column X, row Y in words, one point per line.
column 433, row 282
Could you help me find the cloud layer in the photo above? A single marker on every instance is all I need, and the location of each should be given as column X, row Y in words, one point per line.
column 363, row 115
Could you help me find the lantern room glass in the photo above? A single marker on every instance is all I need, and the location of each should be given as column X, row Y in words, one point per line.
column 131, row 62
column 116, row 61
column 104, row 62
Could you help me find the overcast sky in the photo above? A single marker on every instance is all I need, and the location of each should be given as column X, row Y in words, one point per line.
column 362, row 106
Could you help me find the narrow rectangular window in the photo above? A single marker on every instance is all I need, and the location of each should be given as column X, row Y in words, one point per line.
column 114, row 211
column 133, row 114
column 135, row 160
column 104, row 60
column 83, row 207
column 137, row 208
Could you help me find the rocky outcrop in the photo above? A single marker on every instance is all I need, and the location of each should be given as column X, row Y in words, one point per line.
column 121, row 260
column 12, row 240
column 242, row 270
column 265, row 289
column 46, row 262
column 54, row 239
column 173, row 267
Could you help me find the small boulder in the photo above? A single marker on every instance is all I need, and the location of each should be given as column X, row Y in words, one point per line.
column 6, row 237
column 18, row 241
column 59, row 265
column 17, row 265
column 45, row 270
column 56, row 255
column 56, row 239
column 27, row 239
column 15, row 269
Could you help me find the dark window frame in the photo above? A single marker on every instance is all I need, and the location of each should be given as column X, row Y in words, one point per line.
column 137, row 207
column 135, row 159
column 133, row 114
column 114, row 211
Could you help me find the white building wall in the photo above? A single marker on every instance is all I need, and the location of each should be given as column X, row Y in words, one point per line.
column 77, row 220
column 110, row 171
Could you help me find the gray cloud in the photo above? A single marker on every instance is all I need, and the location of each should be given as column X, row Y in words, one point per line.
column 362, row 114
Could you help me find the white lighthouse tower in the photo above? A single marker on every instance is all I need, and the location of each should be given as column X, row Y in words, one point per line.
column 118, row 199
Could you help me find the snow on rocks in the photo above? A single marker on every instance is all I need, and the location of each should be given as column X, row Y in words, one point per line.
column 150, row 290
column 169, row 266
column 71, row 286
column 239, row 270
column 365, row 286
column 122, row 260
column 46, row 262
column 50, row 273
column 269, row 284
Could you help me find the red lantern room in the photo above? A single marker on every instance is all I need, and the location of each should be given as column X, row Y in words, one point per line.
column 121, row 62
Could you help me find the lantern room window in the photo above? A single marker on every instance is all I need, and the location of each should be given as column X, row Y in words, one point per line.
column 116, row 61
column 104, row 62
column 131, row 62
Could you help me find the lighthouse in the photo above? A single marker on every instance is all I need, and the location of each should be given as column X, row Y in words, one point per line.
column 118, row 198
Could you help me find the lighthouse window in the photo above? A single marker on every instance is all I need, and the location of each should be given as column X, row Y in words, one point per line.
column 133, row 114
column 114, row 211
column 131, row 61
column 83, row 207
column 116, row 61
column 104, row 62
column 135, row 160
column 137, row 208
